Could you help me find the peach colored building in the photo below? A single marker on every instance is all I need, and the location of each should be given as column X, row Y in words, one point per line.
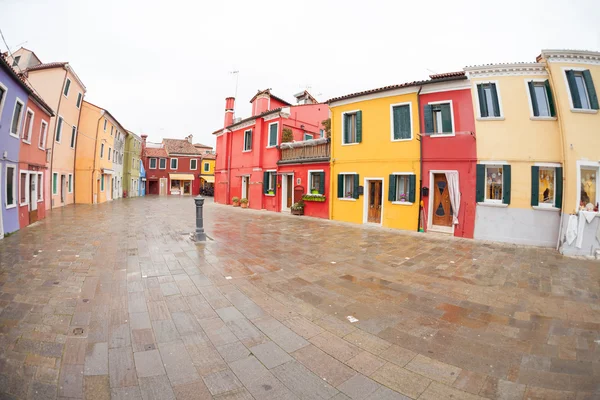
column 60, row 87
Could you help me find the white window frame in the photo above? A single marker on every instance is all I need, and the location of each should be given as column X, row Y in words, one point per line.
column 3, row 100
column 244, row 150
column 592, row 164
column 30, row 133
column 343, row 127
column 530, row 102
column 61, row 129
column 70, row 183
column 159, row 160
column 73, row 137
column 547, row 166
column 448, row 134
column 52, row 187
column 269, row 145
column 67, row 88
column 110, row 151
column 196, row 167
column 304, row 135
column 410, row 110
column 105, row 122
column 12, row 120
column 573, row 109
column 479, row 117
column 40, row 183
column 79, row 99
column 102, row 182
column 344, row 187
column 309, row 186
column 101, row 151
column 493, row 164
column 171, row 163
column 16, row 182
column 155, row 163
column 43, row 134
column 396, row 174
column 206, row 167
column 272, row 179
column 26, row 202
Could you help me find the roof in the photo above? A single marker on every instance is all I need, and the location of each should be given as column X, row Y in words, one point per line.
column 437, row 78
column 202, row 146
column 305, row 94
column 135, row 136
column 268, row 92
column 108, row 112
column 180, row 146
column 60, row 64
column 208, row 156
column 252, row 117
column 155, row 152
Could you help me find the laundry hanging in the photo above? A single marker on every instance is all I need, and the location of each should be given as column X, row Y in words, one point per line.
column 454, row 193
column 571, row 233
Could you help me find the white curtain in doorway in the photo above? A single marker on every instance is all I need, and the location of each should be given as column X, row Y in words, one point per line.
column 454, row 192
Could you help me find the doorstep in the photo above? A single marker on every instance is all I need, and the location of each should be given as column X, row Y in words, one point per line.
column 441, row 229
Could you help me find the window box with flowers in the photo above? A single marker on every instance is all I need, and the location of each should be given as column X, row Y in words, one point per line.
column 314, row 197
column 298, row 208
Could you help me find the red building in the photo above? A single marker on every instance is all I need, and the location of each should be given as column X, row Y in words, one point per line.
column 252, row 164
column 32, row 161
column 449, row 155
column 172, row 167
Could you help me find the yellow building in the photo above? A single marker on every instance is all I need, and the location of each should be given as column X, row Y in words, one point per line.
column 519, row 156
column 375, row 166
column 95, row 157
column 207, row 166
column 574, row 76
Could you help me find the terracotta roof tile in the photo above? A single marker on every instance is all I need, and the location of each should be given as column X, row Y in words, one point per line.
column 268, row 91
column 155, row 152
column 208, row 156
column 447, row 75
column 203, row 146
column 46, row 66
column 180, row 146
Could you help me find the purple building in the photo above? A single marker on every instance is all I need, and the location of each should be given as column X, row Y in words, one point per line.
column 13, row 103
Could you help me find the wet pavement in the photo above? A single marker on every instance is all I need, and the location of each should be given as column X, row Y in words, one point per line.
column 115, row 301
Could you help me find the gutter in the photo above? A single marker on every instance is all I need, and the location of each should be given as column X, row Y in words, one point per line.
column 420, row 163
column 54, row 141
column 95, row 152
column 75, row 150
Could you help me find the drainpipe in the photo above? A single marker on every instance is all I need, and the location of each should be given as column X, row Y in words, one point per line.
column 54, row 141
column 420, row 162
column 229, row 147
column 95, row 153
column 332, row 160
column 75, row 150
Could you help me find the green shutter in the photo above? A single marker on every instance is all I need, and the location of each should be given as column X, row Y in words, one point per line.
column 573, row 88
column 346, row 129
column 506, row 184
column 275, row 182
column 396, row 122
column 558, row 195
column 321, row 182
column 340, row 186
column 392, row 188
column 355, row 191
column 535, row 185
column 273, row 135
column 446, row 118
column 589, row 84
column 412, row 184
column 534, row 103
column 265, row 182
column 401, row 116
column 358, row 126
column 550, row 98
column 428, row 116
column 482, row 103
column 54, row 183
column 480, row 188
column 495, row 100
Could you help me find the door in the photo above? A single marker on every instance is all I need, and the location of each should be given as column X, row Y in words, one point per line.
column 163, row 186
column 374, row 202
column 442, row 209
column 63, row 188
column 245, row 186
column 1, row 203
column 187, row 187
column 112, row 188
column 289, row 190
column 33, row 198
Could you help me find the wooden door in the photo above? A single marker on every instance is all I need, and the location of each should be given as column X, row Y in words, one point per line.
column 442, row 209
column 63, row 184
column 289, row 189
column 33, row 198
column 374, row 202
column 163, row 186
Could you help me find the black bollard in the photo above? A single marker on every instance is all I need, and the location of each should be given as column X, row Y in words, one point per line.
column 200, row 236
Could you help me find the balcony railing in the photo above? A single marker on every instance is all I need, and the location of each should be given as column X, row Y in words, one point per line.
column 307, row 150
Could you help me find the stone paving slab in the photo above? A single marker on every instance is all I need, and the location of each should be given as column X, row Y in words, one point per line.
column 138, row 311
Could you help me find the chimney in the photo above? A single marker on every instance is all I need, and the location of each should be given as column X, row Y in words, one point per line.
column 189, row 138
column 144, row 137
column 229, row 103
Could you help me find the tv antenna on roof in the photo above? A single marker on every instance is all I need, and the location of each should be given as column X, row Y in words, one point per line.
column 237, row 78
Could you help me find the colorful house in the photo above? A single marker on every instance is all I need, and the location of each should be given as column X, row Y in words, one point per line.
column 60, row 87
column 375, row 157
column 133, row 156
column 118, row 159
column 448, row 155
column 519, row 154
column 13, row 102
column 207, row 174
column 96, row 156
column 573, row 77
column 142, row 184
column 155, row 158
column 248, row 152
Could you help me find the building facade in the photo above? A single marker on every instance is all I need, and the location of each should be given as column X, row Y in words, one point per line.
column 142, row 183
column 183, row 166
column 207, row 173
column 118, row 159
column 131, row 165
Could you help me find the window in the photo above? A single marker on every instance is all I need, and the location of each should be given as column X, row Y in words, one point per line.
column 28, row 126
column 102, row 150
column 493, row 183
column 206, row 167
column 248, row 140
column 73, row 136
column 589, row 185
column 54, row 183
column 79, row 98
column 352, row 127
column 43, row 131
column 322, row 132
column 109, row 153
column 583, row 92
column 16, row 61
column 112, row 128
column 542, row 102
column 174, row 162
column 489, row 105
column 153, row 163
column 102, row 182
column 193, row 163
column 59, row 125
column 273, row 129
column 402, row 188
column 114, row 156
column 163, row 163
column 270, row 182
column 40, row 187
column 316, row 181
column 70, row 183
column 2, row 96
column 105, row 124
column 348, row 186
column 23, row 189
column 16, row 120
column 10, row 186
column 308, row 136
column 401, row 126
column 67, row 87
column 546, row 186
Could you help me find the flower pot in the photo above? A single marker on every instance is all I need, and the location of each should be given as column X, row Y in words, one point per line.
column 244, row 205
column 236, row 203
column 314, row 192
column 271, row 192
column 297, row 212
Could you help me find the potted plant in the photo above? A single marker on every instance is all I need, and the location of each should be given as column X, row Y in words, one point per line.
column 244, row 203
column 235, row 201
column 298, row 208
column 287, row 135
column 403, row 197
column 314, row 191
column 271, row 192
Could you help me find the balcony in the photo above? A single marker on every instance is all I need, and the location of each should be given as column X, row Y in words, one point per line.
column 316, row 150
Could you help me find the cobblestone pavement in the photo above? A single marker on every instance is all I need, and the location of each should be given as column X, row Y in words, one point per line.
column 116, row 301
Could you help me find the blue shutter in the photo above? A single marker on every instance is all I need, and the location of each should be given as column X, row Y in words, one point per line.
column 428, row 116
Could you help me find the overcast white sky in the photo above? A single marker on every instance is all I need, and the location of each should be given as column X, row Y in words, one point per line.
column 163, row 67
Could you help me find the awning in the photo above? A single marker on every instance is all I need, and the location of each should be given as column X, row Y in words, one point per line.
column 182, row 177
column 108, row 171
column 209, row 179
column 143, row 179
